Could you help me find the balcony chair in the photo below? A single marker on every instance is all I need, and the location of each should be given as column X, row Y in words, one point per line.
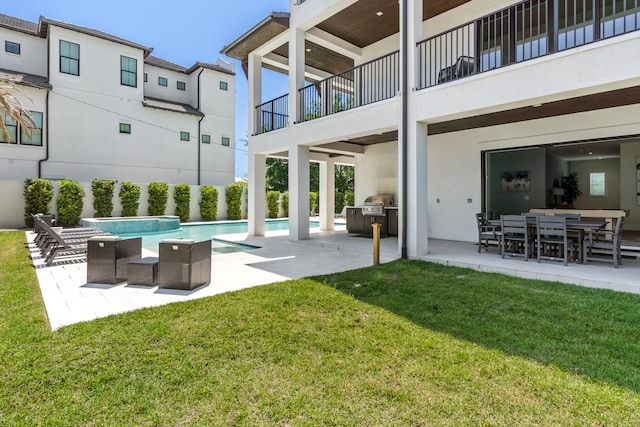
column 464, row 66
column 184, row 264
column 552, row 240
column 517, row 239
column 604, row 245
column 487, row 233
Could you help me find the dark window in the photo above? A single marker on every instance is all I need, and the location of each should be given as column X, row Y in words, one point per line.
column 206, row 139
column 34, row 135
column 224, row 86
column 125, row 128
column 128, row 71
column 184, row 136
column 162, row 81
column 145, row 77
column 69, row 58
column 225, row 141
column 12, row 47
column 182, row 86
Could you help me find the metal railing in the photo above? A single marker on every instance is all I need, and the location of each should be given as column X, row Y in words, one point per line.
column 272, row 115
column 370, row 82
column 524, row 31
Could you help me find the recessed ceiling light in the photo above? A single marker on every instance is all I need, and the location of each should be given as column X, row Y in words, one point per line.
column 379, row 13
column 590, row 152
column 308, row 49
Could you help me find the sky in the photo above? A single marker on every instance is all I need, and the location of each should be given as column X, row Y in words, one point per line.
column 182, row 32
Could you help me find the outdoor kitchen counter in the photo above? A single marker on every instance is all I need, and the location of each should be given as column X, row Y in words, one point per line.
column 357, row 223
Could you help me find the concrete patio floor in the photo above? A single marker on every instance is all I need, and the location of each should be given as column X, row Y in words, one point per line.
column 69, row 299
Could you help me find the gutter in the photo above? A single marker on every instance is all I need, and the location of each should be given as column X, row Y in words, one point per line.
column 199, row 130
column 404, row 48
column 46, row 110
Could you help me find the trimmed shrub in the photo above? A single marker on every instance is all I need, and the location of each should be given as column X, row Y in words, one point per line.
column 339, row 202
column 208, row 203
column 182, row 199
column 38, row 193
column 284, row 202
column 233, row 196
column 102, row 191
column 272, row 204
column 158, row 197
column 313, row 202
column 129, row 198
column 70, row 194
column 350, row 198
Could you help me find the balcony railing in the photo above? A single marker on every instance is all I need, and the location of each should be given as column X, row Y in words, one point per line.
column 521, row 32
column 365, row 84
column 272, row 115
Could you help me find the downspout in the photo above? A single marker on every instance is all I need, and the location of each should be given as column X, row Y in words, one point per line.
column 199, row 123
column 46, row 136
column 404, row 124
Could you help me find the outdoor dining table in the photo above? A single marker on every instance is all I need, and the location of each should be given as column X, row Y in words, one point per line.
column 579, row 225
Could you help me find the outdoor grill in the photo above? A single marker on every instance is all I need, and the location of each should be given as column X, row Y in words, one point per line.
column 374, row 205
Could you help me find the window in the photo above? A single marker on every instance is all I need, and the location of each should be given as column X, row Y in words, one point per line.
column 206, row 139
column 125, row 128
column 12, row 129
column 162, row 81
column 597, row 184
column 224, row 86
column 146, row 78
column 225, row 141
column 12, row 47
column 31, row 136
column 69, row 58
column 182, row 86
column 34, row 135
column 184, row 136
column 128, row 71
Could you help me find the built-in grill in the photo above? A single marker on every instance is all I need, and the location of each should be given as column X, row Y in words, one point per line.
column 374, row 205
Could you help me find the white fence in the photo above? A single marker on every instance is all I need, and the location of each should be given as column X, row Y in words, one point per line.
column 12, row 203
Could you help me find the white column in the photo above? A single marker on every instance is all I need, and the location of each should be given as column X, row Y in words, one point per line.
column 257, row 197
column 327, row 194
column 298, row 192
column 415, row 139
column 296, row 71
column 255, row 92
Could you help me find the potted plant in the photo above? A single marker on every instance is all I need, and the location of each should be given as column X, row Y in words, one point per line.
column 570, row 187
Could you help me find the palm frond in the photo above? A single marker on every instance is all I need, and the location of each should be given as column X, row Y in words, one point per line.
column 12, row 107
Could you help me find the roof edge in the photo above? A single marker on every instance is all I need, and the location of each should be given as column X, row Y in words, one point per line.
column 282, row 17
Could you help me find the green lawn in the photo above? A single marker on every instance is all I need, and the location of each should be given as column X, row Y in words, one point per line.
column 401, row 344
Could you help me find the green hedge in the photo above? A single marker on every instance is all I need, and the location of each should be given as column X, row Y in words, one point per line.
column 129, row 198
column 38, row 193
column 70, row 194
column 102, row 191
column 313, row 202
column 339, row 202
column 273, row 197
column 350, row 198
column 208, row 203
column 233, row 196
column 285, row 204
column 182, row 199
column 158, row 197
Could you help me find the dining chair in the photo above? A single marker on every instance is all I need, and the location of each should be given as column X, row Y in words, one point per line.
column 553, row 241
column 517, row 239
column 604, row 245
column 487, row 233
column 576, row 235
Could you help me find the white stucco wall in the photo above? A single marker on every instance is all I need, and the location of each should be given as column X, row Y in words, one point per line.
column 32, row 50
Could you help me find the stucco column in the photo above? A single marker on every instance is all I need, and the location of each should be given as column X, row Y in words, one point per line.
column 296, row 72
column 412, row 142
column 257, row 196
column 298, row 192
column 327, row 194
column 255, row 92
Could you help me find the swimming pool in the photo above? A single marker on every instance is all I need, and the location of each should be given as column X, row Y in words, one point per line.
column 199, row 232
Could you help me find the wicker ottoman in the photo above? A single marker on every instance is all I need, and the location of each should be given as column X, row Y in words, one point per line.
column 143, row 271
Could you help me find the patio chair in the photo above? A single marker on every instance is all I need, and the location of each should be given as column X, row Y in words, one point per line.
column 552, row 240
column 464, row 66
column 487, row 233
column 184, row 264
column 604, row 245
column 517, row 239
column 108, row 257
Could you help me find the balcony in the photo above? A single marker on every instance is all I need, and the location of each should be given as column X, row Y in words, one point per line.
column 524, row 31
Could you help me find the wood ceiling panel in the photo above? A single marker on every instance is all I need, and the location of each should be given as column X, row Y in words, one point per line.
column 320, row 58
column 616, row 98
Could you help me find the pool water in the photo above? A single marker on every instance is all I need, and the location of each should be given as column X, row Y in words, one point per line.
column 199, row 232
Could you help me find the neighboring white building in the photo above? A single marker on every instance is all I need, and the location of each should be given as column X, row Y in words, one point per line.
column 107, row 109
column 434, row 108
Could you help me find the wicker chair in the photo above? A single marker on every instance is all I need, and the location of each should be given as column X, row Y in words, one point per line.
column 184, row 264
column 108, row 257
